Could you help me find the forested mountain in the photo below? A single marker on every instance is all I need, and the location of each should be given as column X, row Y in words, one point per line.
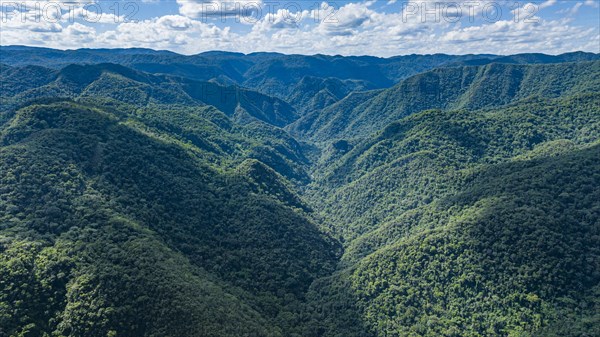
column 421, row 157
column 533, row 58
column 108, row 226
column 273, row 74
column 253, row 70
column 110, row 81
column 146, row 193
column 514, row 253
column 467, row 87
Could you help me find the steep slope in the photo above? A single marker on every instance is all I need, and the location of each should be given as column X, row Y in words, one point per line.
column 141, row 89
column 466, row 223
column 14, row 80
column 137, row 204
column 328, row 119
column 273, row 74
column 425, row 156
column 449, row 88
column 175, row 107
column 244, row 105
column 116, row 228
column 513, row 254
column 314, row 93
column 252, row 70
column 470, row 222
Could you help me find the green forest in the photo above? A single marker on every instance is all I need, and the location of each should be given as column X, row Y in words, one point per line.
column 153, row 194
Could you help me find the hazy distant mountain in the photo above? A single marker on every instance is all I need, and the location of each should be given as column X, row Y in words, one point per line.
column 271, row 73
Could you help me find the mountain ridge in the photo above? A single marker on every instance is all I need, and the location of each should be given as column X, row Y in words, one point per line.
column 438, row 89
column 462, row 200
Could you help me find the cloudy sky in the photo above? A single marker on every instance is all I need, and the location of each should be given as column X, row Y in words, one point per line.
column 361, row 27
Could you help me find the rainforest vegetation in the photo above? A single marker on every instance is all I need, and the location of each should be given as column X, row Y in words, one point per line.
column 148, row 193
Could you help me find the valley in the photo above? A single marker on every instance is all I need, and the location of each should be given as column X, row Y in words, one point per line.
column 148, row 193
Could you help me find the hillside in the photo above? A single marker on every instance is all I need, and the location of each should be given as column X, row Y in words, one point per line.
column 146, row 193
column 272, row 74
column 256, row 70
column 468, row 87
column 92, row 206
column 466, row 223
column 515, row 253
column 111, row 81
column 425, row 156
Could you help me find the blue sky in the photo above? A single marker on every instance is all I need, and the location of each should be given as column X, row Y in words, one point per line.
column 382, row 28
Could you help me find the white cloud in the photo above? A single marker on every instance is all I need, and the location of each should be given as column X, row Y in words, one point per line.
column 353, row 29
column 509, row 37
column 174, row 32
column 547, row 3
column 592, row 3
column 91, row 14
column 227, row 8
column 573, row 10
column 282, row 19
column 347, row 20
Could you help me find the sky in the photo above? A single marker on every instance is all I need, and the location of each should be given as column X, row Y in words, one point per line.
column 361, row 27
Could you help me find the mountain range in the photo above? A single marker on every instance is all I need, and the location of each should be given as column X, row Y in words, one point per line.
column 147, row 193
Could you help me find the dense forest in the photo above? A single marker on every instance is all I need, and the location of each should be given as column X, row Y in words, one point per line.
column 146, row 193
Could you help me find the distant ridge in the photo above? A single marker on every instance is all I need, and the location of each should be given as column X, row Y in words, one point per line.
column 460, row 87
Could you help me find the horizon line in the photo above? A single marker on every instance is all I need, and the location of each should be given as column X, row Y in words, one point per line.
column 293, row 54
